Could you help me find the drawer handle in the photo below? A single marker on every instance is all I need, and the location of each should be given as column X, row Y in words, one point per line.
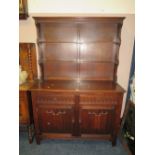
column 48, row 123
column 103, row 113
column 97, row 114
column 73, row 121
column 56, row 113
column 60, row 113
column 64, row 112
column 49, row 112
column 54, row 99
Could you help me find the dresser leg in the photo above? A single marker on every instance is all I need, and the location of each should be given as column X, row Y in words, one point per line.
column 37, row 139
column 114, row 139
column 30, row 134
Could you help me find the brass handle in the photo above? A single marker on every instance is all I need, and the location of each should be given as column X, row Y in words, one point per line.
column 60, row 113
column 103, row 113
column 73, row 121
column 55, row 99
column 49, row 112
column 63, row 112
column 92, row 113
column 56, row 113
column 98, row 114
column 48, row 123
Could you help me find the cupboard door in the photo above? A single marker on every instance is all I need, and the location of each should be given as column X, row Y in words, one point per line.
column 55, row 119
column 96, row 120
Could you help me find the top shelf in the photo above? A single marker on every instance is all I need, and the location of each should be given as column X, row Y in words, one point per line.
column 79, row 19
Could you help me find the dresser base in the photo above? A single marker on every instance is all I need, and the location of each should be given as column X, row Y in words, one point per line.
column 70, row 137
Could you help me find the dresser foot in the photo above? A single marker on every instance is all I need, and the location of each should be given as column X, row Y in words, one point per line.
column 114, row 139
column 113, row 143
column 38, row 140
column 30, row 134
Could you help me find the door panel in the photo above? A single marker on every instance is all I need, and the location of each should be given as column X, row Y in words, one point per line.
column 96, row 120
column 56, row 119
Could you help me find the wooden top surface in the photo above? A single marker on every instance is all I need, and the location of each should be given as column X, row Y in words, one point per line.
column 26, row 86
column 77, row 86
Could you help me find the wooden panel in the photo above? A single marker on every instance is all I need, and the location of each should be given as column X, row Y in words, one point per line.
column 98, row 120
column 97, row 52
column 60, row 70
column 59, row 51
column 104, row 99
column 58, row 32
column 55, row 119
column 49, row 98
column 94, row 32
column 91, row 70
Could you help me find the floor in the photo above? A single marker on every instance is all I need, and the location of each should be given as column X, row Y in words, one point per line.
column 68, row 147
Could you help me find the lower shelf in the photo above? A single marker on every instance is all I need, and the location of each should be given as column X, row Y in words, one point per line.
column 67, row 136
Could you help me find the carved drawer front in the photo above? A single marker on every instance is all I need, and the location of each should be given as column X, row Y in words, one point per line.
column 49, row 98
column 98, row 99
column 97, row 119
column 56, row 119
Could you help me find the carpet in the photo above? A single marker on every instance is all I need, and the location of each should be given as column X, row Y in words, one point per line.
column 68, row 147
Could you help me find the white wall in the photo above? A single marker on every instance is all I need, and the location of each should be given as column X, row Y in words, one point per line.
column 27, row 29
column 81, row 6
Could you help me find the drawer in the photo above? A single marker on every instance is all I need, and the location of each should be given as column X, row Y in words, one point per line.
column 99, row 99
column 54, row 98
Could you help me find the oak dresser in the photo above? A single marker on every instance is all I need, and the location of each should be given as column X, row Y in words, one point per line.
column 77, row 96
